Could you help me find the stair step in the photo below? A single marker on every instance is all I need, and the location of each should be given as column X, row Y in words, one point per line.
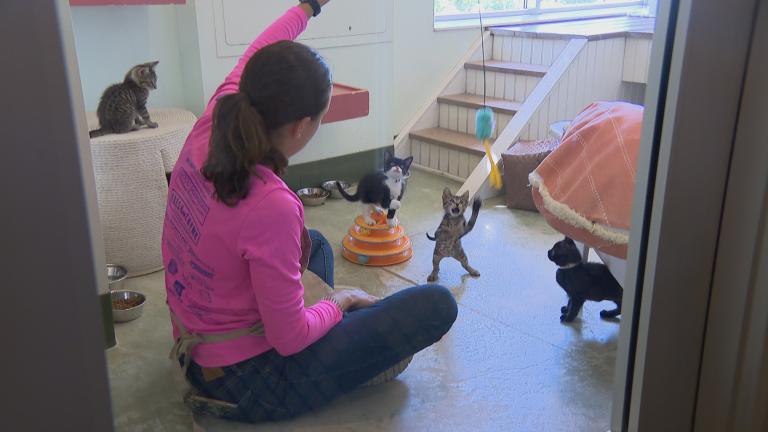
column 509, row 67
column 500, row 106
column 444, row 137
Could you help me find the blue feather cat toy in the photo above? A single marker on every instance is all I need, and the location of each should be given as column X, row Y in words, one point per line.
column 485, row 122
column 484, row 125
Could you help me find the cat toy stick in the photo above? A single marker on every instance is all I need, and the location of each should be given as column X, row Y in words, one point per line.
column 485, row 121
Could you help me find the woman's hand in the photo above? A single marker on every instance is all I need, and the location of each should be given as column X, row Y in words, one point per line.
column 351, row 299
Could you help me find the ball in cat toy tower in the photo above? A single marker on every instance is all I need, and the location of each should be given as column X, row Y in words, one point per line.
column 485, row 123
column 376, row 245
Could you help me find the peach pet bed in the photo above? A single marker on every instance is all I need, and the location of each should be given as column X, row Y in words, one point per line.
column 584, row 188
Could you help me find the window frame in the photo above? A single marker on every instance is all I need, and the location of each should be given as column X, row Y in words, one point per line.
column 537, row 11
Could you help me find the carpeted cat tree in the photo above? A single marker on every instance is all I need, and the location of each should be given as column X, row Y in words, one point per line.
column 376, row 245
column 131, row 186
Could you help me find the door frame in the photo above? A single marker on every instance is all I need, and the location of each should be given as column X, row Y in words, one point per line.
column 674, row 236
column 54, row 369
column 733, row 388
column 693, row 97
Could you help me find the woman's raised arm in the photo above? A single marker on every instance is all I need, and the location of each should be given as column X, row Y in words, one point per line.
column 288, row 27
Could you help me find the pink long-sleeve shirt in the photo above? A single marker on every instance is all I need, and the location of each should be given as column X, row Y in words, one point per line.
column 229, row 268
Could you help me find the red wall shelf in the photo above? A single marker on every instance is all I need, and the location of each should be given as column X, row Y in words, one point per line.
column 123, row 2
column 347, row 103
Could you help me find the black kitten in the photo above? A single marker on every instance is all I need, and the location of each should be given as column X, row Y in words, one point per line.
column 583, row 281
column 384, row 188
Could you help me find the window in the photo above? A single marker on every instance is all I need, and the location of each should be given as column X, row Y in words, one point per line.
column 460, row 9
column 549, row 4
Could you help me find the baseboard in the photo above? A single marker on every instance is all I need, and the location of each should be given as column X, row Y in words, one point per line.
column 438, row 172
column 349, row 168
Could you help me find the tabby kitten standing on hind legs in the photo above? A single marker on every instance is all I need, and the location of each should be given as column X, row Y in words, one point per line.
column 123, row 106
column 452, row 228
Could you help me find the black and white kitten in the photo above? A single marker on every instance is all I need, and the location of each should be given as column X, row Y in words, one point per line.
column 583, row 281
column 123, row 106
column 383, row 188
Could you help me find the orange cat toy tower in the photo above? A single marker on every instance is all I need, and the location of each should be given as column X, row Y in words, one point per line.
column 376, row 245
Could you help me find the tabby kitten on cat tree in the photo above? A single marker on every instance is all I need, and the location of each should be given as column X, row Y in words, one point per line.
column 123, row 106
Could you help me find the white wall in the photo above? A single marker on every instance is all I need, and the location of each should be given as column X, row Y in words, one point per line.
column 402, row 74
column 190, row 58
column 653, row 7
column 367, row 65
column 422, row 57
column 109, row 40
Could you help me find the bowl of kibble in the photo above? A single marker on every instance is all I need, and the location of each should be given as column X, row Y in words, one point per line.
column 127, row 305
column 313, row 196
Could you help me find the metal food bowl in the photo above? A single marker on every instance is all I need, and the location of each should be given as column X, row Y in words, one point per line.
column 330, row 186
column 116, row 276
column 125, row 315
column 313, row 196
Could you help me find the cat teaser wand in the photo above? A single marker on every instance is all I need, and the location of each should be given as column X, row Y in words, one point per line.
column 485, row 122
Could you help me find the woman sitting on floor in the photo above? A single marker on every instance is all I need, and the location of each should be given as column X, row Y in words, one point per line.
column 235, row 246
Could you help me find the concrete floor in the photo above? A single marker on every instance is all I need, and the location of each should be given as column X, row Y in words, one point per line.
column 508, row 364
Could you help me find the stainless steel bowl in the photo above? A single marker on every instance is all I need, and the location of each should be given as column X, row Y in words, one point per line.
column 125, row 315
column 116, row 276
column 330, row 186
column 313, row 196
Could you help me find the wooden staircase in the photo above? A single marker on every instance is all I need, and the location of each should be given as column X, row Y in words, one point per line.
column 537, row 75
column 445, row 143
column 532, row 80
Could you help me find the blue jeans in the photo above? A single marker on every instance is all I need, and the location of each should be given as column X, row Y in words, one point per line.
column 321, row 257
column 364, row 344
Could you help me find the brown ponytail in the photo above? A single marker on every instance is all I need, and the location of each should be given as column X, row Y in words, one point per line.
column 282, row 83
